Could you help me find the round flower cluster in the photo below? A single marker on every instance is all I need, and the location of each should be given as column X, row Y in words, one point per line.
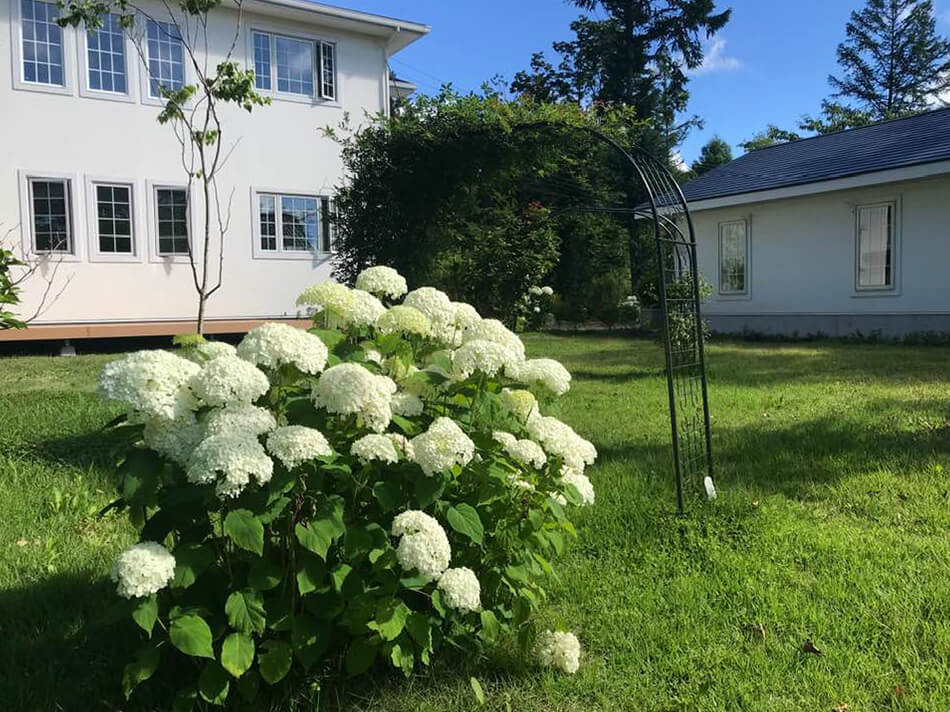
column 150, row 384
column 545, row 372
column 382, row 281
column 526, row 451
column 365, row 311
column 461, row 590
column 437, row 308
column 494, row 330
column 465, row 316
column 488, row 357
column 559, row 650
column 228, row 380
column 349, row 388
column 559, row 439
column 407, row 404
column 582, row 484
column 248, row 420
column 294, row 445
column 213, row 349
column 404, row 320
column 273, row 345
column 374, row 447
column 521, row 403
column 174, row 439
column 442, row 446
column 143, row 569
column 333, row 299
column 229, row 461
column 423, row 545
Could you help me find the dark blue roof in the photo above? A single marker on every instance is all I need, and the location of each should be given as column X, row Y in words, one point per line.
column 891, row 144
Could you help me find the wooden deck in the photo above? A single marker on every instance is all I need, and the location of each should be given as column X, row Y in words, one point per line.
column 101, row 330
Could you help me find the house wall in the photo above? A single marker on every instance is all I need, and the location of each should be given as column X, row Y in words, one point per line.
column 802, row 264
column 278, row 147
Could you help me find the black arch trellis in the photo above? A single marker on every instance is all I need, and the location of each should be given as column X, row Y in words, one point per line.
column 675, row 238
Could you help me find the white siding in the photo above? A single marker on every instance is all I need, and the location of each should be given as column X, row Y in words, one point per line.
column 280, row 148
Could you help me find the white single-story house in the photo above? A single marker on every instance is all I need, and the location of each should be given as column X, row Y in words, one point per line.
column 842, row 234
column 93, row 186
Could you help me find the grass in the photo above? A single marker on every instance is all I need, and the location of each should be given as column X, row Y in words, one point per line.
column 832, row 525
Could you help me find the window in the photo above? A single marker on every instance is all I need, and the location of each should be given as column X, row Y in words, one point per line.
column 172, row 220
column 327, row 71
column 166, row 58
column 262, row 61
column 733, row 257
column 42, row 43
column 105, row 49
column 296, row 66
column 875, row 238
column 114, row 219
column 51, row 210
column 293, row 224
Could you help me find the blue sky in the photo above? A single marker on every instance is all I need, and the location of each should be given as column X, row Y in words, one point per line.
column 768, row 65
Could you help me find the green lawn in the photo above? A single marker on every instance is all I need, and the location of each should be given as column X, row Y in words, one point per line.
column 833, row 524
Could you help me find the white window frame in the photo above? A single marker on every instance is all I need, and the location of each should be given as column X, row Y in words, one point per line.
column 280, row 253
column 893, row 289
column 25, row 179
column 131, row 57
column 145, row 72
column 92, row 220
column 318, row 96
column 730, row 293
column 16, row 43
column 152, row 186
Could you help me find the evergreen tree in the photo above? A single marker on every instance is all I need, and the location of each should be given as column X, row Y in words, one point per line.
column 715, row 153
column 893, row 64
column 633, row 53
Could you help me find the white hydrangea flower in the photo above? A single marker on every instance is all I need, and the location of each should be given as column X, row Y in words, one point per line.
column 547, row 291
column 559, row 439
column 350, row 388
column 294, row 445
column 582, row 484
column 527, row 451
column 365, row 309
column 213, row 349
column 333, row 299
column 407, row 404
column 230, row 461
column 520, row 483
column 506, row 439
column 461, row 590
column 437, row 307
column 423, row 545
column 442, row 446
column 545, row 372
column 404, row 320
column 489, row 357
column 382, row 281
column 273, row 345
column 150, row 384
column 535, row 291
column 229, row 380
column 241, row 419
column 374, row 447
column 173, row 438
column 373, row 356
column 494, row 330
column 143, row 569
column 559, row 650
column 710, row 487
column 403, row 444
column 521, row 403
column 466, row 315
column 559, row 498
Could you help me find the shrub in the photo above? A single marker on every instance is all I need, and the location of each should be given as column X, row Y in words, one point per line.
column 352, row 495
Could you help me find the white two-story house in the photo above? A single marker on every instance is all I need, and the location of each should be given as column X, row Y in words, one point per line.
column 94, row 188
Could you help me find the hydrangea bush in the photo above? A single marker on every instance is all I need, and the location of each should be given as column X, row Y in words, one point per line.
column 371, row 491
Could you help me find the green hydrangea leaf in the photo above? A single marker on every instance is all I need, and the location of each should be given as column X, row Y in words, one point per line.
column 360, row 656
column 237, row 653
column 213, row 684
column 310, row 639
column 145, row 613
column 465, row 520
column 191, row 560
column 245, row 530
column 245, row 611
column 274, row 661
column 311, row 573
column 140, row 669
column 191, row 635
column 391, row 615
column 265, row 575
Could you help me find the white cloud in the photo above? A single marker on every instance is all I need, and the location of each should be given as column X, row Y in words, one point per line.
column 678, row 163
column 715, row 59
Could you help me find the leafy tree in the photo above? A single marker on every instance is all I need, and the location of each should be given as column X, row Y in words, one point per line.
column 195, row 113
column 715, row 153
column 893, row 61
column 484, row 199
column 835, row 117
column 772, row 136
column 634, row 53
column 9, row 290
